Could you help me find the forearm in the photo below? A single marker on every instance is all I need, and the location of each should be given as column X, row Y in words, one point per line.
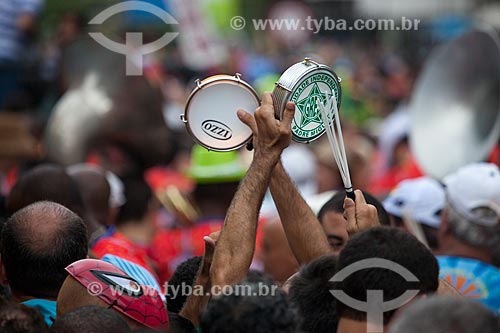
column 235, row 248
column 303, row 230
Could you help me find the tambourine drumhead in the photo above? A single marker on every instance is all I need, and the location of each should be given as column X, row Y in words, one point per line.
column 303, row 83
column 210, row 112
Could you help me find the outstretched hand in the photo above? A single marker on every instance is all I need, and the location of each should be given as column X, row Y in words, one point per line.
column 270, row 136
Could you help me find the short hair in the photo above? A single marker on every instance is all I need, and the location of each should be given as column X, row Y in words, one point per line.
column 252, row 312
column 310, row 293
column 184, row 274
column 336, row 204
column 16, row 318
column 471, row 233
column 37, row 243
column 90, row 319
column 94, row 189
column 138, row 195
column 46, row 182
column 440, row 314
column 390, row 244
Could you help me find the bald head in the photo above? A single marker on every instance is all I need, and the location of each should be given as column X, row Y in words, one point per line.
column 277, row 257
column 94, row 188
column 37, row 243
column 74, row 295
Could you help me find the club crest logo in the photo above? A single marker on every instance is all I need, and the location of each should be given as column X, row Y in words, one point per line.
column 307, row 123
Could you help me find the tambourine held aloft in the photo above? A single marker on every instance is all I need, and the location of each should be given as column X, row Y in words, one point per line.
column 210, row 112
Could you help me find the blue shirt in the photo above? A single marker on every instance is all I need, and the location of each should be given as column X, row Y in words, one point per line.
column 474, row 279
column 10, row 35
column 47, row 309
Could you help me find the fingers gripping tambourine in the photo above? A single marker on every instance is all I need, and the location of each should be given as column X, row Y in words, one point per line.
column 210, row 112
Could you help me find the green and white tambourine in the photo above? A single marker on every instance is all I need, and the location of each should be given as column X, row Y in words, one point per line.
column 303, row 83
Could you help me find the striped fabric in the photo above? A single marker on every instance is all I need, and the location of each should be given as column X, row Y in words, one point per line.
column 10, row 36
column 137, row 272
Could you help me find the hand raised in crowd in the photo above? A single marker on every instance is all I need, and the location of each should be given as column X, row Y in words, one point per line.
column 359, row 215
column 270, row 136
column 196, row 303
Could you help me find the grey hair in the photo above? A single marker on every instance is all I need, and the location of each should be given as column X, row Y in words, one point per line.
column 440, row 314
column 470, row 232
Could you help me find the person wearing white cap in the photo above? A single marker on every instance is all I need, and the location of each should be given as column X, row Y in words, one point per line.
column 469, row 231
column 421, row 200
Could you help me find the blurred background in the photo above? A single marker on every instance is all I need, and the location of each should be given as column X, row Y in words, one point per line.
column 65, row 99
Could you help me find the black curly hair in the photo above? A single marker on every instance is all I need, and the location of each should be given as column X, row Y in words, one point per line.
column 255, row 311
column 185, row 273
column 310, row 293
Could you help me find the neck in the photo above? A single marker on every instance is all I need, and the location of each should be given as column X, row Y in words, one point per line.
column 137, row 231
column 451, row 246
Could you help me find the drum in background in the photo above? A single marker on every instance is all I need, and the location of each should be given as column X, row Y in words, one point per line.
column 303, row 83
column 210, row 112
column 455, row 105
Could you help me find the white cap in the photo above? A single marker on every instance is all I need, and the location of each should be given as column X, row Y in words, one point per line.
column 421, row 198
column 475, row 186
column 300, row 164
column 394, row 128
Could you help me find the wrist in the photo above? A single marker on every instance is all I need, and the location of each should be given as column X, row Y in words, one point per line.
column 267, row 158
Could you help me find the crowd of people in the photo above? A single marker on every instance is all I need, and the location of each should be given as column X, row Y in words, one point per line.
column 149, row 232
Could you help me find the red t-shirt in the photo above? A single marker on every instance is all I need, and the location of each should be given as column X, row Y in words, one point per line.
column 117, row 244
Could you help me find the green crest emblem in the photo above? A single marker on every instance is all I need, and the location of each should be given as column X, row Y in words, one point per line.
column 308, row 124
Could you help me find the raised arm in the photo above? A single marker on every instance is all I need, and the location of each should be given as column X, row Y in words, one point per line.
column 235, row 248
column 303, row 230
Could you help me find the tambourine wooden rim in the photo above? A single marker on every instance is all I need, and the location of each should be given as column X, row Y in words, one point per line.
column 207, row 82
column 291, row 80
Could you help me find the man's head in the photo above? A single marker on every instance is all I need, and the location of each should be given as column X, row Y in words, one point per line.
column 90, row 319
column 37, row 243
column 396, row 246
column 49, row 183
column 310, row 293
column 94, row 188
column 445, row 314
column 139, row 204
column 46, row 182
column 16, row 318
column 277, row 257
column 421, row 200
column 334, row 225
column 185, row 274
column 472, row 212
column 98, row 283
column 255, row 311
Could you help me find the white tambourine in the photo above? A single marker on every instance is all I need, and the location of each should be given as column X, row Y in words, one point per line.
column 210, row 112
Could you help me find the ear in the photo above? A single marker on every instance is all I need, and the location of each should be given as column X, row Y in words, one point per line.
column 444, row 227
column 3, row 275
